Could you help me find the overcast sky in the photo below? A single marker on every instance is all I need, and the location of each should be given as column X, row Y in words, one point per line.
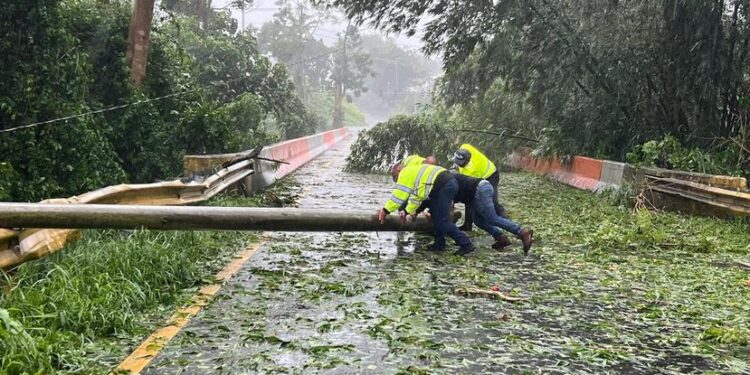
column 262, row 11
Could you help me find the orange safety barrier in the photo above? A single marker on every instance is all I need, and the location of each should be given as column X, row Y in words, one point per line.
column 582, row 172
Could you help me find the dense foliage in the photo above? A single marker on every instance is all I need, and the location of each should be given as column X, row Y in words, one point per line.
column 60, row 58
column 378, row 148
column 597, row 77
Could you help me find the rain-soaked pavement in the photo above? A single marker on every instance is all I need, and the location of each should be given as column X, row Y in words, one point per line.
column 372, row 303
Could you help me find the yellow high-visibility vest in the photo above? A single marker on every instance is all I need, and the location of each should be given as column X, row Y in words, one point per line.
column 413, row 160
column 479, row 166
column 413, row 186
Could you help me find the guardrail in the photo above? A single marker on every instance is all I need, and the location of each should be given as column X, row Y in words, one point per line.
column 18, row 246
column 695, row 198
column 687, row 192
column 295, row 152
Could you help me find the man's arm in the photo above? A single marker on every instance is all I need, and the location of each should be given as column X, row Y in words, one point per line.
column 399, row 197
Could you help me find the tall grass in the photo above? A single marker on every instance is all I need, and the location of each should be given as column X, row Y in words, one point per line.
column 83, row 308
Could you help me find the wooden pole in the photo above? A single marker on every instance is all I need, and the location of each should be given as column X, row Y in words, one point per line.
column 79, row 216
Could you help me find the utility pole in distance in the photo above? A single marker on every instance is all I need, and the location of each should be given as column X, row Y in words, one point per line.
column 338, row 113
column 138, row 40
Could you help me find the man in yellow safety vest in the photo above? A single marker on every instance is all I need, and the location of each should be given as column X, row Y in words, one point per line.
column 434, row 184
column 415, row 159
column 473, row 163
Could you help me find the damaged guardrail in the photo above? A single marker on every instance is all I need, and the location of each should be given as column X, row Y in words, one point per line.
column 18, row 246
column 695, row 198
column 253, row 170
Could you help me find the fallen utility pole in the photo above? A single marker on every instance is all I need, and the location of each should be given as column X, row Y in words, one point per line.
column 80, row 216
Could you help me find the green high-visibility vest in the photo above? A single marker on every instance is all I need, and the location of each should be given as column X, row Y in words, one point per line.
column 413, row 186
column 479, row 166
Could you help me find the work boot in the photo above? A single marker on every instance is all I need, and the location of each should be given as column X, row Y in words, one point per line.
column 465, row 250
column 501, row 242
column 527, row 237
column 466, row 228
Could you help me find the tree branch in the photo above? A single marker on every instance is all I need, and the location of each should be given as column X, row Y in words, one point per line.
column 502, row 134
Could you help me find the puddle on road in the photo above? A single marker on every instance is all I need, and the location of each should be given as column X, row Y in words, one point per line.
column 356, row 303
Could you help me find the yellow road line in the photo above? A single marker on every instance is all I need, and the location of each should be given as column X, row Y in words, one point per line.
column 149, row 348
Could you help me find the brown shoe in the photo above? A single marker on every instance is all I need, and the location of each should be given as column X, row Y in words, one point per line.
column 527, row 237
column 501, row 242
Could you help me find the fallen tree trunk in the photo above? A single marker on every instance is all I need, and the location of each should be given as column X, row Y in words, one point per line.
column 75, row 216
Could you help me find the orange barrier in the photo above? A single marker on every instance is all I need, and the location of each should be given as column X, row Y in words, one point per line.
column 295, row 153
column 582, row 172
column 600, row 175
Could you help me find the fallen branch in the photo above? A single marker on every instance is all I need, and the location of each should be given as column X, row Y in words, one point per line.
column 742, row 264
column 502, row 134
column 488, row 292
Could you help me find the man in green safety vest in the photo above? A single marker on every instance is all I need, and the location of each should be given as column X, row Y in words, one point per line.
column 473, row 163
column 434, row 184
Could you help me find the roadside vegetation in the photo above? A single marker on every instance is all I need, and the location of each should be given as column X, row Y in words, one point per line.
column 661, row 83
column 217, row 92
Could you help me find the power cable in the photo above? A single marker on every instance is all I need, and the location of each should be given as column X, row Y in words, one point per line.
column 103, row 110
column 144, row 101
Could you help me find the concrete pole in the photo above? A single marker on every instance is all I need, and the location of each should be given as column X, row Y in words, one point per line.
column 79, row 216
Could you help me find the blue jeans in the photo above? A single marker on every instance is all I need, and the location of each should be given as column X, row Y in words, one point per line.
column 494, row 180
column 440, row 208
column 485, row 215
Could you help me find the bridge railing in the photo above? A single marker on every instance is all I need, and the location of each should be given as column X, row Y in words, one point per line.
column 688, row 192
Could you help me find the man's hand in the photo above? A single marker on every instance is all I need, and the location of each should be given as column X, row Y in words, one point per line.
column 427, row 215
column 381, row 215
column 403, row 216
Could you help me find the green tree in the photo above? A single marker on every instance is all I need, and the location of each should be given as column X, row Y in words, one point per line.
column 47, row 75
column 208, row 89
column 604, row 76
column 289, row 37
